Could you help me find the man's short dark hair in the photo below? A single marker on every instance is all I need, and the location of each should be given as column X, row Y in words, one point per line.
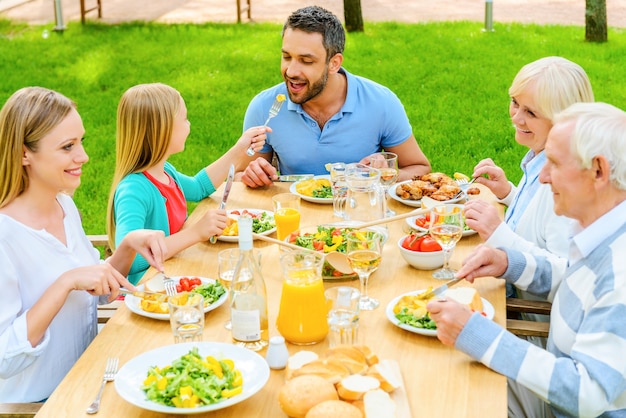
column 315, row 19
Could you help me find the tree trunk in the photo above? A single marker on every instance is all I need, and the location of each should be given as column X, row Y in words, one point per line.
column 353, row 15
column 595, row 21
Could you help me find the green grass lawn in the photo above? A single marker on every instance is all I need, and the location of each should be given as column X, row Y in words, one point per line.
column 452, row 78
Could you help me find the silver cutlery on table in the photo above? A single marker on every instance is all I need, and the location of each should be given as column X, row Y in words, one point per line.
column 438, row 291
column 295, row 177
column 110, row 371
column 278, row 102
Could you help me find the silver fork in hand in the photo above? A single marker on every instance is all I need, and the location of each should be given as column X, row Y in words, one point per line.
column 109, row 375
column 169, row 285
column 273, row 112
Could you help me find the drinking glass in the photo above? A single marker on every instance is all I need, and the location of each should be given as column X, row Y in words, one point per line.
column 339, row 188
column 363, row 249
column 343, row 315
column 446, row 227
column 286, row 214
column 387, row 163
column 186, row 316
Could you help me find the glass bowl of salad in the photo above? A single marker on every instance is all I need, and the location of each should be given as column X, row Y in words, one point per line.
column 328, row 238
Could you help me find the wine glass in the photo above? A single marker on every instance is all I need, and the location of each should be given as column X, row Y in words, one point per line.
column 446, row 227
column 227, row 262
column 387, row 163
column 363, row 249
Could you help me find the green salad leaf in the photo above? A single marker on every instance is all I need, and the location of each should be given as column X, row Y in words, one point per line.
column 210, row 291
column 409, row 319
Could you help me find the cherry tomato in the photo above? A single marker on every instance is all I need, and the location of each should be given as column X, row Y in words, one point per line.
column 318, row 245
column 412, row 242
column 235, row 212
column 195, row 281
column 179, row 288
column 184, row 283
column 336, row 232
column 429, row 245
column 423, row 222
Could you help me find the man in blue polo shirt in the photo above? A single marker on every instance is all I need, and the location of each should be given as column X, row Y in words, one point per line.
column 330, row 115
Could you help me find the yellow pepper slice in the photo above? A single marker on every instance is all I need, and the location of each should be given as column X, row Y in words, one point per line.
column 229, row 393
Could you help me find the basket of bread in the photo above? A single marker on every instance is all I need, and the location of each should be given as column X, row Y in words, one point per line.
column 346, row 382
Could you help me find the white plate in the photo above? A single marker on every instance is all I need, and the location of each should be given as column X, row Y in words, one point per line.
column 235, row 238
column 134, row 303
column 417, row 203
column 129, row 379
column 411, row 223
column 326, row 200
column 487, row 309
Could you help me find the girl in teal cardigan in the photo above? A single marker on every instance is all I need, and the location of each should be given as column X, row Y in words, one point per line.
column 147, row 191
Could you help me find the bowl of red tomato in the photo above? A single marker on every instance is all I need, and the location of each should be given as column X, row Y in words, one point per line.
column 421, row 251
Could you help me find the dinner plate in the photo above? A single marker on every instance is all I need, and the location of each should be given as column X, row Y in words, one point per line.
column 411, row 223
column 134, row 303
column 325, row 200
column 488, row 310
column 417, row 203
column 128, row 381
column 235, row 238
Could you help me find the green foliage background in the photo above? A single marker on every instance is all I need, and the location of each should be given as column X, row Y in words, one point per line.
column 452, row 78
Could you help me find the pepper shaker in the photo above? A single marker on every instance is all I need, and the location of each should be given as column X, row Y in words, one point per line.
column 277, row 354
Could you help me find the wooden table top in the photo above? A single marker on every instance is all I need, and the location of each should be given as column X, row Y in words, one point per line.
column 439, row 381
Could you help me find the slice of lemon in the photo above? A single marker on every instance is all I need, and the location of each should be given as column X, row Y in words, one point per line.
column 461, row 176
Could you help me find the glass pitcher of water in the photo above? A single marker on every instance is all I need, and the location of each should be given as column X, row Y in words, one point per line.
column 365, row 200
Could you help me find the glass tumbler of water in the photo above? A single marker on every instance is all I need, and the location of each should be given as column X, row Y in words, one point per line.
column 343, row 315
column 186, row 316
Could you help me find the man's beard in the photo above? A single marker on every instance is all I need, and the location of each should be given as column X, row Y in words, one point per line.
column 314, row 91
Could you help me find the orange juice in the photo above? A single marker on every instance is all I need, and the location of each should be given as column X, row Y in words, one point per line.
column 287, row 221
column 302, row 314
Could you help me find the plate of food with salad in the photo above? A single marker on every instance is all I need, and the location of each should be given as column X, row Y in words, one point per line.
column 421, row 223
column 316, row 190
column 154, row 305
column 408, row 311
column 329, row 238
column 191, row 378
column 263, row 223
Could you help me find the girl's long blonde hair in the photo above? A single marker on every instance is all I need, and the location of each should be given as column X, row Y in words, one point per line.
column 145, row 120
column 26, row 117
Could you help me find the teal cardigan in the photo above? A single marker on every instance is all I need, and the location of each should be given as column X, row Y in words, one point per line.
column 140, row 205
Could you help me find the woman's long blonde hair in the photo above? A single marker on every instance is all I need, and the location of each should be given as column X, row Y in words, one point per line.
column 26, row 117
column 145, row 120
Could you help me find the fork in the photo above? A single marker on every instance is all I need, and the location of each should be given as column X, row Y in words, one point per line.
column 169, row 285
column 273, row 112
column 109, row 375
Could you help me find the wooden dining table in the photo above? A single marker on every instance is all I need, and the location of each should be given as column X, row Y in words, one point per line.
column 439, row 381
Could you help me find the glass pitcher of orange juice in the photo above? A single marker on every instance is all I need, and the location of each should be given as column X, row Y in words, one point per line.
column 302, row 312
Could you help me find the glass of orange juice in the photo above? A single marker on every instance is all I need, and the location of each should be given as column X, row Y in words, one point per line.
column 286, row 214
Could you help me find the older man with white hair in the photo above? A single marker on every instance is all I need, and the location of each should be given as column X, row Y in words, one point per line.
column 582, row 371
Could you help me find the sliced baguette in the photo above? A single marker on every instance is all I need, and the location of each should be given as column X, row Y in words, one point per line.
column 370, row 356
column 155, row 284
column 355, row 386
column 298, row 360
column 466, row 296
column 378, row 404
column 389, row 380
column 330, row 369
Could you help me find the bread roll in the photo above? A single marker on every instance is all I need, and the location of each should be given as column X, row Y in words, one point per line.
column 301, row 393
column 388, row 378
column 370, row 356
column 334, row 409
column 350, row 356
column 155, row 284
column 466, row 296
column 355, row 386
column 378, row 404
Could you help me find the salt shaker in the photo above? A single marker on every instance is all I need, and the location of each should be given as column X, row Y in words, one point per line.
column 277, row 353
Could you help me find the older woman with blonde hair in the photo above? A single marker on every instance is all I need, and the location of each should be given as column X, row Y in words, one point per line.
column 539, row 91
column 147, row 190
column 51, row 275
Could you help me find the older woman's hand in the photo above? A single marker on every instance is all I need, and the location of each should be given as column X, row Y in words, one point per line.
column 482, row 217
column 483, row 261
column 492, row 176
column 450, row 317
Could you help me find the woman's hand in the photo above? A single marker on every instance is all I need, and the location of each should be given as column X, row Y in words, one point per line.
column 99, row 279
column 482, row 217
column 492, row 176
column 450, row 317
column 150, row 244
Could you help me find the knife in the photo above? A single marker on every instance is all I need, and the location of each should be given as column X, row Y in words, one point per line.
column 229, row 183
column 295, row 177
column 438, row 291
